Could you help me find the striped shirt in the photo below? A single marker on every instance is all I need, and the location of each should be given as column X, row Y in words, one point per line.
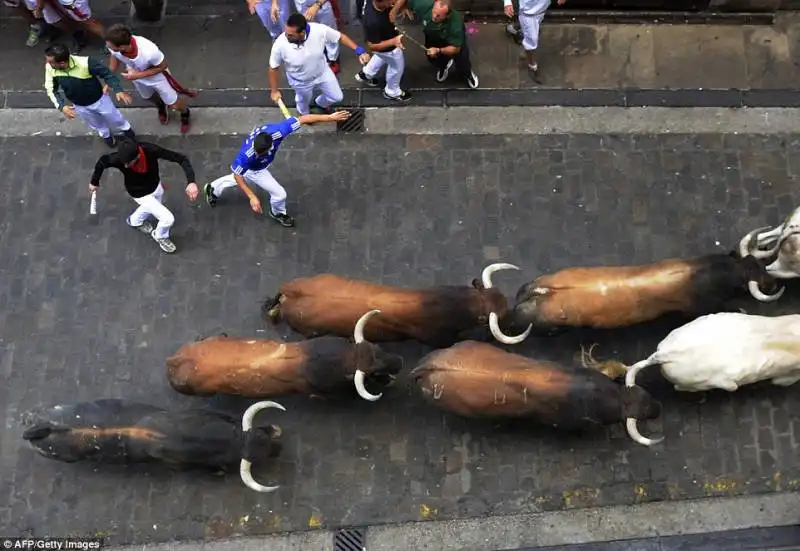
column 247, row 158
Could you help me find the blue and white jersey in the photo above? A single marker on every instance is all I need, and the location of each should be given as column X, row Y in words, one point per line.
column 247, row 158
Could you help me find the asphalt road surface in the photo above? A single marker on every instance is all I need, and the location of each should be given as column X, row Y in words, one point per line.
column 93, row 311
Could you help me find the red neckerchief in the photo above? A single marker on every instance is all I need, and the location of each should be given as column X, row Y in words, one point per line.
column 134, row 50
column 140, row 165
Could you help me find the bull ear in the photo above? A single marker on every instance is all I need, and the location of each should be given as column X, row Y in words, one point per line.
column 477, row 284
column 41, row 431
column 364, row 357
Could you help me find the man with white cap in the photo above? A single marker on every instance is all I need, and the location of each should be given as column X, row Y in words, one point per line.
column 531, row 14
column 301, row 50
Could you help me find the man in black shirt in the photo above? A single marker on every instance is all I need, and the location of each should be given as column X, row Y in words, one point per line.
column 138, row 162
column 384, row 42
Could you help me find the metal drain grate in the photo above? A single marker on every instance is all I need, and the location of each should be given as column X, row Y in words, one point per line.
column 356, row 122
column 349, row 540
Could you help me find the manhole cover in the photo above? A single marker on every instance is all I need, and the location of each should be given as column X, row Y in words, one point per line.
column 356, row 121
column 349, row 540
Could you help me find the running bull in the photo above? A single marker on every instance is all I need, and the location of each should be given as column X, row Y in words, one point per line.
column 264, row 368
column 436, row 316
column 722, row 351
column 122, row 431
column 785, row 240
column 478, row 380
column 617, row 296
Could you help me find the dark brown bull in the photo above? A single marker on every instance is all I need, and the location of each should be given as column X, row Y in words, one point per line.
column 436, row 316
column 264, row 368
column 478, row 380
column 122, row 431
column 618, row 296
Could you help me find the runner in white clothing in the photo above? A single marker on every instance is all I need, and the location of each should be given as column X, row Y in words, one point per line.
column 531, row 14
column 272, row 13
column 147, row 69
column 321, row 11
column 301, row 49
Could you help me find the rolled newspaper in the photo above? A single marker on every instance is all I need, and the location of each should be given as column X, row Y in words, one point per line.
column 93, row 203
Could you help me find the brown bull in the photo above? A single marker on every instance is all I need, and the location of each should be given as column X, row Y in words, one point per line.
column 263, row 368
column 122, row 431
column 478, row 380
column 619, row 296
column 437, row 316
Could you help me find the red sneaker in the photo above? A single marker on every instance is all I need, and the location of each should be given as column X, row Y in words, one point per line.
column 185, row 122
column 163, row 115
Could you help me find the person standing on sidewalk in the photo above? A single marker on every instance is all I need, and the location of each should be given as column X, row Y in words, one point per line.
column 138, row 162
column 272, row 13
column 445, row 37
column 321, row 11
column 147, row 69
column 252, row 163
column 301, row 50
column 531, row 14
column 384, row 41
column 77, row 79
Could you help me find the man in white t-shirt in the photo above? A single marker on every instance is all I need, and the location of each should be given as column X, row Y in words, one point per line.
column 147, row 69
column 301, row 50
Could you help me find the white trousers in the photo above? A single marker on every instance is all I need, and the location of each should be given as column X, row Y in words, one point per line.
column 158, row 86
column 395, row 65
column 102, row 116
column 529, row 25
column 263, row 12
column 330, row 91
column 325, row 16
column 261, row 178
column 150, row 205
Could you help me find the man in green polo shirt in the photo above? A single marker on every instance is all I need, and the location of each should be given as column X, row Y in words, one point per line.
column 445, row 37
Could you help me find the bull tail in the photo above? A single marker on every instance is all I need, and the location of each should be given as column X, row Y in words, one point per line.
column 610, row 368
column 271, row 309
column 630, row 381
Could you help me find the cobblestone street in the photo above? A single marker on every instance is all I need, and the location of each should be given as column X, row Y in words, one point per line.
column 93, row 311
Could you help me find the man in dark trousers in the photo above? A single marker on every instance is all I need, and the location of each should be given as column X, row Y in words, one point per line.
column 445, row 37
column 138, row 162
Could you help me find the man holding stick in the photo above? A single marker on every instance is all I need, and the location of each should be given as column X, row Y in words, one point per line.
column 384, row 41
column 445, row 37
column 301, row 49
column 256, row 155
column 138, row 162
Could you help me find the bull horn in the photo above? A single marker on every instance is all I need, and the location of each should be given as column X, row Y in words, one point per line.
column 494, row 326
column 362, row 390
column 486, row 276
column 247, row 461
column 752, row 286
column 631, row 422
column 358, row 332
column 358, row 336
column 748, row 248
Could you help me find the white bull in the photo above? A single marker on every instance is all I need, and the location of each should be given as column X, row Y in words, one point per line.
column 724, row 351
column 783, row 239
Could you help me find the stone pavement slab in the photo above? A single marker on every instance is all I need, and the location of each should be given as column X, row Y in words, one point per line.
column 229, row 52
column 92, row 311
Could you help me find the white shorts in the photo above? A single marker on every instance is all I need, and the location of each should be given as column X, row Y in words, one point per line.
column 79, row 10
column 158, row 86
column 529, row 24
column 50, row 15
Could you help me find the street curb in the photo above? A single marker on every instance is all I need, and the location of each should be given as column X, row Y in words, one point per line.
column 435, row 121
column 753, row 522
column 482, row 97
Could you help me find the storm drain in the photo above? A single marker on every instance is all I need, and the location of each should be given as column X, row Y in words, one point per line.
column 356, row 122
column 349, row 540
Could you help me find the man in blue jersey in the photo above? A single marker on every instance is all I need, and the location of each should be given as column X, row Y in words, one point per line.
column 251, row 165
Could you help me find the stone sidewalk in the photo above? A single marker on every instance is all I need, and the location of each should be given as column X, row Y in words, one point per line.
column 226, row 56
